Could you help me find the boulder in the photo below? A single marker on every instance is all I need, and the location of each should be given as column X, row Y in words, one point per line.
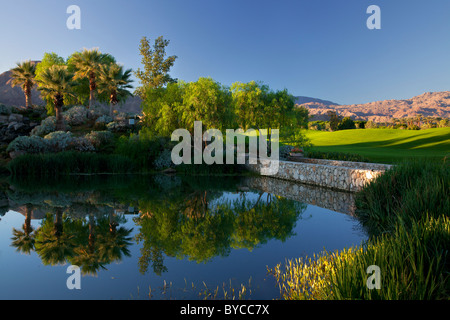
column 14, row 117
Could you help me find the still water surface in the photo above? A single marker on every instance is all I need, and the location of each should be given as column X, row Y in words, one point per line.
column 156, row 237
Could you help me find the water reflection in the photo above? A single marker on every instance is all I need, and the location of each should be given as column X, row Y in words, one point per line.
column 83, row 220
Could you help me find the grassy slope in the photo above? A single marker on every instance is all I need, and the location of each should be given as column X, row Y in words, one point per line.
column 385, row 145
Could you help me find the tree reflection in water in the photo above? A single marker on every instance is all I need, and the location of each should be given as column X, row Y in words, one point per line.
column 196, row 218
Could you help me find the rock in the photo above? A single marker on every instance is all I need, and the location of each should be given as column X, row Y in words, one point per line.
column 14, row 117
column 4, row 119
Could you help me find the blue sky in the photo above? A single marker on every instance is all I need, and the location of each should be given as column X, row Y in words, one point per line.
column 316, row 48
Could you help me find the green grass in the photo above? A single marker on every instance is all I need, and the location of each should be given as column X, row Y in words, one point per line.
column 385, row 145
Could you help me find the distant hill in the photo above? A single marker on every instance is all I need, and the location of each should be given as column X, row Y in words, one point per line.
column 433, row 104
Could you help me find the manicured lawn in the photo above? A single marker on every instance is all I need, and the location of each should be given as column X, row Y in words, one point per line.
column 385, row 145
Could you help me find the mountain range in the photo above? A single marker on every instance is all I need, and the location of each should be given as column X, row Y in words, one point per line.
column 429, row 104
column 433, row 104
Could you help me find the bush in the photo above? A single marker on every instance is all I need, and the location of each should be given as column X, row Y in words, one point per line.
column 346, row 124
column 117, row 126
column 100, row 139
column 5, row 110
column 82, row 144
column 76, row 116
column 59, row 141
column 47, row 126
column 104, row 120
column 25, row 144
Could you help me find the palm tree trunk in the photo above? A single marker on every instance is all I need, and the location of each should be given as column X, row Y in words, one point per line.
column 112, row 102
column 92, row 87
column 28, row 97
column 60, row 125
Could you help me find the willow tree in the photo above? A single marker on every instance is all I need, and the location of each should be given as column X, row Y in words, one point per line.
column 115, row 81
column 24, row 75
column 56, row 82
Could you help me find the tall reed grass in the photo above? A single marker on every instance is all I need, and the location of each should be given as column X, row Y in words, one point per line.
column 406, row 212
column 66, row 163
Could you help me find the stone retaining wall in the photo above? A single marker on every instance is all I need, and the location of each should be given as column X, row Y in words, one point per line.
column 338, row 175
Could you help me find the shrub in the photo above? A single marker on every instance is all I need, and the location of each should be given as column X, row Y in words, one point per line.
column 76, row 116
column 5, row 110
column 26, row 144
column 117, row 126
column 47, row 126
column 82, row 144
column 346, row 123
column 59, row 141
column 100, row 139
column 104, row 120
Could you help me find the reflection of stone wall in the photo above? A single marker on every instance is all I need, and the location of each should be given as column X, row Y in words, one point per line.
column 339, row 175
column 337, row 201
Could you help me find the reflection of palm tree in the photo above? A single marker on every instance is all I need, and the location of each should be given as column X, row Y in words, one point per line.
column 23, row 239
column 86, row 254
column 113, row 241
column 53, row 244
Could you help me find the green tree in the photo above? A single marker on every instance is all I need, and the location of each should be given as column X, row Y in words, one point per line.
column 24, row 75
column 208, row 101
column 53, row 243
column 156, row 66
column 56, row 82
column 248, row 103
column 161, row 108
column 335, row 119
column 115, row 81
column 86, row 65
column 23, row 239
column 346, row 123
column 49, row 59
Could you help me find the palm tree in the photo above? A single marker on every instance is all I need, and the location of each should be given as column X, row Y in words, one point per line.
column 115, row 81
column 87, row 64
column 23, row 75
column 53, row 244
column 57, row 82
column 24, row 240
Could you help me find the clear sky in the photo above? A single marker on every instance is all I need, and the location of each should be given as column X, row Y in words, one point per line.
column 315, row 48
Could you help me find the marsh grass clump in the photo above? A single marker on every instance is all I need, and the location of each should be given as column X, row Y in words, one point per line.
column 414, row 263
column 407, row 191
column 406, row 213
column 69, row 162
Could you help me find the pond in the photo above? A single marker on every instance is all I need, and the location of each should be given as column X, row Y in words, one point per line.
column 163, row 237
